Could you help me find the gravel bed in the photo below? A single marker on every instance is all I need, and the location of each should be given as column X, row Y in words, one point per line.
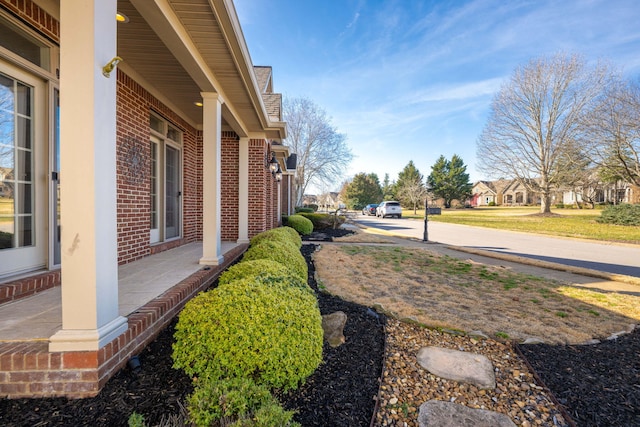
column 406, row 385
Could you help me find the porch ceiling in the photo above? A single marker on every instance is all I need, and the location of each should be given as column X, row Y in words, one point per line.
column 184, row 47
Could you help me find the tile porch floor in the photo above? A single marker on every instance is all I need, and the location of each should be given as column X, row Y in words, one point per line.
column 39, row 316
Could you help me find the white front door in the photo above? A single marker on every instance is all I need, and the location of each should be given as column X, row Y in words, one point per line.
column 165, row 191
column 23, row 171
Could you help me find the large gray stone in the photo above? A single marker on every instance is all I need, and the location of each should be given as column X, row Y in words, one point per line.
column 435, row 413
column 333, row 328
column 459, row 366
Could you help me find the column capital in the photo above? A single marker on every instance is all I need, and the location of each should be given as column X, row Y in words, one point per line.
column 212, row 96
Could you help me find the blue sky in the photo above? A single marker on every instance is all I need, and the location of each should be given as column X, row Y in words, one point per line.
column 413, row 80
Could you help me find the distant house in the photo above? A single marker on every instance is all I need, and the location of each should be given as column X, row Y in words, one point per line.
column 487, row 193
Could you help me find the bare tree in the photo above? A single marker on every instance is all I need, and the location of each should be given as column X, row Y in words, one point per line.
column 323, row 154
column 536, row 118
column 612, row 135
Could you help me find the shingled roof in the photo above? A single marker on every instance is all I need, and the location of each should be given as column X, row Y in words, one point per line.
column 272, row 101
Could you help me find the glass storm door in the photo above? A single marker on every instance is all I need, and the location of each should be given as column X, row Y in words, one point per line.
column 22, row 218
column 165, row 191
column 154, row 191
column 172, row 193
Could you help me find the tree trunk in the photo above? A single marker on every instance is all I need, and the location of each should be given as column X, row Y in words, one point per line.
column 545, row 202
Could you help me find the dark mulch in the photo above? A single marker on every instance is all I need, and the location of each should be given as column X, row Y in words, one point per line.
column 340, row 393
column 599, row 385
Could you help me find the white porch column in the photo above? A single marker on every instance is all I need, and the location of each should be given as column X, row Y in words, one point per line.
column 211, row 187
column 279, row 203
column 88, row 178
column 243, row 191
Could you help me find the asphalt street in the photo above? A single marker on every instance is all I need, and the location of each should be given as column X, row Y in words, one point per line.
column 606, row 257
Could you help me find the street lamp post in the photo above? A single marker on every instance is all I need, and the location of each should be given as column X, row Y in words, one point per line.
column 425, row 236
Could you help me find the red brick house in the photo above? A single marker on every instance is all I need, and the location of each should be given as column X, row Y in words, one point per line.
column 133, row 144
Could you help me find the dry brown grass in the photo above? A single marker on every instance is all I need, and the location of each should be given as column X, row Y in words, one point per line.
column 440, row 291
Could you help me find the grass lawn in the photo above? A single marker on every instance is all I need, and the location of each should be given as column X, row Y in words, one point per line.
column 440, row 291
column 580, row 223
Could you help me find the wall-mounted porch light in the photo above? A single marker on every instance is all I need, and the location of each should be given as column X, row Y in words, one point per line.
column 273, row 163
column 278, row 174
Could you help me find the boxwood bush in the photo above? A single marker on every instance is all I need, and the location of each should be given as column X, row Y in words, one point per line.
column 301, row 224
column 620, row 215
column 262, row 268
column 323, row 220
column 263, row 329
column 286, row 234
column 239, row 401
column 284, row 253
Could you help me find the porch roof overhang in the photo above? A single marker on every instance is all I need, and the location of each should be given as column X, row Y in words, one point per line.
column 182, row 48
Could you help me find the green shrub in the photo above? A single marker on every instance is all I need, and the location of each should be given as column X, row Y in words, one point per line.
column 322, row 220
column 492, row 203
column 239, row 401
column 264, row 329
column 620, row 215
column 301, row 224
column 262, row 268
column 300, row 209
column 6, row 240
column 559, row 205
column 286, row 234
column 284, row 253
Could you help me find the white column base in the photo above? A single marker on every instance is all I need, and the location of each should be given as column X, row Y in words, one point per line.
column 87, row 339
column 243, row 241
column 212, row 261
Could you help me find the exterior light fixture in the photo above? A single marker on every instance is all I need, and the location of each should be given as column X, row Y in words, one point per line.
column 198, row 104
column 107, row 69
column 122, row 18
column 273, row 163
column 278, row 174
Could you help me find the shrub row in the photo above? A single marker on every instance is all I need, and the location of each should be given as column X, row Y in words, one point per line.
column 620, row 215
column 322, row 220
column 259, row 330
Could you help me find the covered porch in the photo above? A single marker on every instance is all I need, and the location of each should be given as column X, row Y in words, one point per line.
column 151, row 292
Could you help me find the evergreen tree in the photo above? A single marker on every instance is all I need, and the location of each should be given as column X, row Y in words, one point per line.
column 449, row 180
column 410, row 188
column 363, row 190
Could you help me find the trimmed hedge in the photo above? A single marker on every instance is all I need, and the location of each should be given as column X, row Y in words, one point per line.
column 284, row 253
column 264, row 329
column 286, row 234
column 237, row 400
column 323, row 220
column 301, row 224
column 262, row 268
column 620, row 215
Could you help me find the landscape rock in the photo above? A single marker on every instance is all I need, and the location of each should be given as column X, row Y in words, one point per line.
column 435, row 413
column 333, row 327
column 478, row 334
column 459, row 366
column 533, row 340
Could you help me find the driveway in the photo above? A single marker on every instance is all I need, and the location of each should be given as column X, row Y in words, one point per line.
column 606, row 257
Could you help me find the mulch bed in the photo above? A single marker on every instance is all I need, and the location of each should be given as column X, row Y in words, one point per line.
column 598, row 384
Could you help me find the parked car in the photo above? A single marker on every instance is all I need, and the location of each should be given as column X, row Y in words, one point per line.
column 369, row 209
column 389, row 208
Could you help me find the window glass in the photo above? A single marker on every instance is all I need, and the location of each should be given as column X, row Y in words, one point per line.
column 22, row 44
column 156, row 124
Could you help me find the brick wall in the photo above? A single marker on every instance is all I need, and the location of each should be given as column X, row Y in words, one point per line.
column 258, row 176
column 31, row 14
column 134, row 106
column 230, row 160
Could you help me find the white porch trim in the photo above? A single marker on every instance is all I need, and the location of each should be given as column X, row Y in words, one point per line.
column 88, row 149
